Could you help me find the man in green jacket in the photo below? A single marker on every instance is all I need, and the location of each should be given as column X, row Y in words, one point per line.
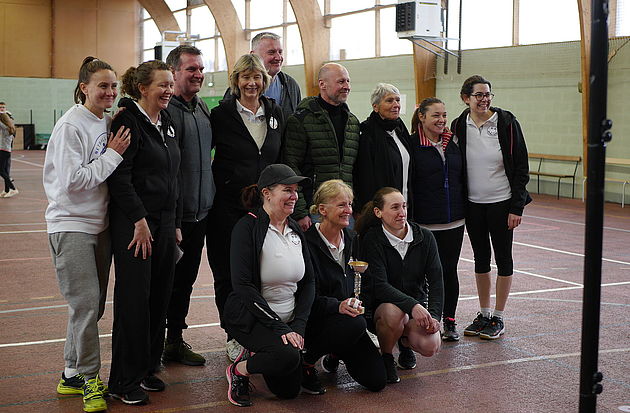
column 322, row 137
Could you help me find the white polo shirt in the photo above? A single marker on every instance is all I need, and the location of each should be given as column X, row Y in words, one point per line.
column 337, row 253
column 281, row 268
column 254, row 122
column 487, row 181
column 401, row 245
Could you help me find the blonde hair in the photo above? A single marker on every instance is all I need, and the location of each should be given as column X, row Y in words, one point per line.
column 248, row 63
column 327, row 191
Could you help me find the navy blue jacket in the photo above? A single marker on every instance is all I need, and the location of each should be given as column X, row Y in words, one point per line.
column 438, row 186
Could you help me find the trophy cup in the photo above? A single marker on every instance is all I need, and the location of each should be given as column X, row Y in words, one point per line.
column 359, row 268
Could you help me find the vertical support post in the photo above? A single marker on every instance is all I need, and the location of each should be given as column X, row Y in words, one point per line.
column 598, row 136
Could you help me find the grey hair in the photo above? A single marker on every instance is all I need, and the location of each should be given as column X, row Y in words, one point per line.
column 381, row 90
column 263, row 35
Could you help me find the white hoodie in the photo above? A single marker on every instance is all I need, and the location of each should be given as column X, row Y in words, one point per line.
column 77, row 164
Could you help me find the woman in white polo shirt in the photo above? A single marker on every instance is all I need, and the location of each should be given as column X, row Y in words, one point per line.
column 495, row 161
column 273, row 288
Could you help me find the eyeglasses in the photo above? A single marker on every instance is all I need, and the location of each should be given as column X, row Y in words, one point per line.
column 480, row 96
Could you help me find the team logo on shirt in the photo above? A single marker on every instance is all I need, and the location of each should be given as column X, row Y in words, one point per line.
column 170, row 132
column 295, row 238
column 273, row 123
column 492, row 131
column 100, row 146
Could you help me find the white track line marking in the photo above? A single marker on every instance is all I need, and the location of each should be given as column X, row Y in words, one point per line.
column 533, row 274
column 28, row 163
column 506, row 362
column 575, row 254
column 574, row 223
column 61, row 340
column 547, row 290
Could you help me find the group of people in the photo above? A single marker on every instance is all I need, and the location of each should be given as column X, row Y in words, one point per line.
column 277, row 208
column 7, row 134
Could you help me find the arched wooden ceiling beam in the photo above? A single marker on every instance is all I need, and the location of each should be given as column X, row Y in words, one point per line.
column 232, row 33
column 161, row 15
column 315, row 40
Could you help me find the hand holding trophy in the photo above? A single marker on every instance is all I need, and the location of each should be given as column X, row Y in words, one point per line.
column 359, row 268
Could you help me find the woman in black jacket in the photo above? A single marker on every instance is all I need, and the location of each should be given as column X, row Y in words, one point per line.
column 144, row 193
column 404, row 276
column 273, row 288
column 384, row 149
column 247, row 130
column 438, row 193
column 336, row 328
column 497, row 172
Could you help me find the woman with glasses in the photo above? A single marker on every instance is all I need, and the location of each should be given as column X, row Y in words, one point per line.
column 495, row 161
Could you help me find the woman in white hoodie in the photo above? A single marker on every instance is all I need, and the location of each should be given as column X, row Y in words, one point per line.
column 81, row 154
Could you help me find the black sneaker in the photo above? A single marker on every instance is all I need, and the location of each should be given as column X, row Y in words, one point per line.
column 450, row 332
column 406, row 358
column 478, row 324
column 152, row 383
column 71, row 385
column 181, row 352
column 330, row 363
column 136, row 397
column 390, row 369
column 238, row 387
column 493, row 330
column 310, row 382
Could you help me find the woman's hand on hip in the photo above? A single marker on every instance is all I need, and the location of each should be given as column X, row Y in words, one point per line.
column 141, row 239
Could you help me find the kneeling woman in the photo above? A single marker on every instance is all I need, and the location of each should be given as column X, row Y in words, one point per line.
column 403, row 259
column 273, row 288
column 336, row 327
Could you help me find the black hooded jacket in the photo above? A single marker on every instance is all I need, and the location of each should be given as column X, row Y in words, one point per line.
column 513, row 150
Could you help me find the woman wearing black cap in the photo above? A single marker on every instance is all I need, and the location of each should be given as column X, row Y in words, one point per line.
column 273, row 288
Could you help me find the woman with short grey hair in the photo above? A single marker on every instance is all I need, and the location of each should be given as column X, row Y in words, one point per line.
column 383, row 158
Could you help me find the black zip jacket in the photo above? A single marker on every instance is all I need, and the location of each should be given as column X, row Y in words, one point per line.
column 245, row 305
column 438, row 186
column 333, row 284
column 193, row 131
column 379, row 162
column 146, row 181
column 404, row 283
column 513, row 150
column 237, row 160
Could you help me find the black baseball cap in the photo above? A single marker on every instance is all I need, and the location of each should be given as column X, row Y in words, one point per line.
column 279, row 173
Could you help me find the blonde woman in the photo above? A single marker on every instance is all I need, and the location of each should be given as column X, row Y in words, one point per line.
column 336, row 328
column 247, row 129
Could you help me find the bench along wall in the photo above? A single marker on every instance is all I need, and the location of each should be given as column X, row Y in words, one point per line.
column 539, row 84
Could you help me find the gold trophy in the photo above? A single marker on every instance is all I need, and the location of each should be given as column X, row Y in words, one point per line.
column 359, row 268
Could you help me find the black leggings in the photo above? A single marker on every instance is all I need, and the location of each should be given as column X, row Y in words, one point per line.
column 486, row 222
column 279, row 363
column 346, row 338
column 449, row 244
column 5, row 162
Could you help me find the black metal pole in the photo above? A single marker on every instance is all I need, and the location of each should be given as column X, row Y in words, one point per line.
column 598, row 136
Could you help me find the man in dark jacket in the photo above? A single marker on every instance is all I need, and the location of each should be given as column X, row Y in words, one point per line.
column 283, row 88
column 191, row 120
column 322, row 137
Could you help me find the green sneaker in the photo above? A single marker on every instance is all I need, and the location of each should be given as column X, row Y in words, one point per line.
column 74, row 385
column 93, row 400
column 181, row 352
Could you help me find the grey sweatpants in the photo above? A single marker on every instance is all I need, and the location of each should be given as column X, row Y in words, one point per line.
column 82, row 264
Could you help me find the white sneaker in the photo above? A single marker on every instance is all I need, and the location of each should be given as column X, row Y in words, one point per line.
column 233, row 349
column 12, row 192
column 3, row 194
column 374, row 339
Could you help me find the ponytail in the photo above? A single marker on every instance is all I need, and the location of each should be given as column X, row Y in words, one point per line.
column 89, row 66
